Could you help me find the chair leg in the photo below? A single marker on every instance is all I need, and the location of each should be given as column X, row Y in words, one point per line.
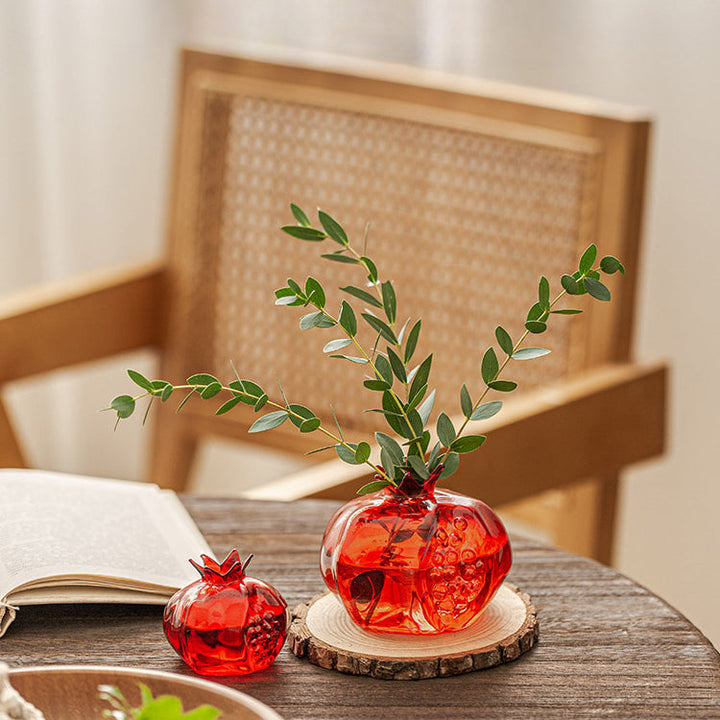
column 173, row 453
column 606, row 519
column 11, row 454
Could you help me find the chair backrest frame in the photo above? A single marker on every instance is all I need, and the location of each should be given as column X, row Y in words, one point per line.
column 612, row 139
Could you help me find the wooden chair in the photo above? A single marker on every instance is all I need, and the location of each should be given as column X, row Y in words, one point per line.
column 472, row 190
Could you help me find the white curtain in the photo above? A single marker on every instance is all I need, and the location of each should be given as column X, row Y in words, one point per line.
column 87, row 93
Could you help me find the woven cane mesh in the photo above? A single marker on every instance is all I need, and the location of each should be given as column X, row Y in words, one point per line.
column 462, row 223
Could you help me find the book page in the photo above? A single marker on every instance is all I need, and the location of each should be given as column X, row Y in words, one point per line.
column 53, row 524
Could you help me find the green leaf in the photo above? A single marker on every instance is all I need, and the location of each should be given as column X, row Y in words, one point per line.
column 418, row 467
column 397, row 366
column 314, row 292
column 322, row 449
column 261, row 402
column 299, row 215
column 202, row 379
column 311, row 320
column 415, row 422
column 226, row 407
column 502, row 385
column 145, row 693
column 587, row 259
column 421, row 376
column 535, row 312
column 334, row 345
column 383, row 369
column 445, row 430
column 249, row 392
column 124, row 405
column 372, row 270
column 415, row 399
column 184, row 400
column 434, row 456
column 167, row 391
column 362, row 295
column 380, row 327
column 333, row 228
column 346, row 454
column 465, row 401
column 504, row 340
column 300, row 413
column 304, row 233
column 468, row 443
column 544, row 292
column 269, row 421
column 347, row 319
column 387, row 463
column 609, row 264
column 167, row 707
column 290, row 299
column 412, row 340
column 452, row 462
column 487, row 410
column 356, row 360
column 362, row 453
column 140, row 380
column 489, row 367
column 597, row 289
column 389, row 301
column 376, row 385
column 529, row 353
column 570, row 285
column 372, row 487
column 391, row 447
column 310, row 425
column 536, row 327
column 295, row 287
column 211, row 391
column 425, row 407
column 204, row 712
column 566, row 311
column 393, row 414
column 339, row 257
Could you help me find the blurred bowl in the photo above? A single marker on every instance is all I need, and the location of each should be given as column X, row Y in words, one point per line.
column 70, row 692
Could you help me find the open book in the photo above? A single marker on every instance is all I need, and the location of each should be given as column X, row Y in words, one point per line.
column 71, row 539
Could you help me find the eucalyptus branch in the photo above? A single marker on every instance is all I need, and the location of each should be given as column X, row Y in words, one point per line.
column 584, row 280
column 207, row 386
column 407, row 418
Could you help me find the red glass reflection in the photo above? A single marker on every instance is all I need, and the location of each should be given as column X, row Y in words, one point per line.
column 226, row 623
column 415, row 560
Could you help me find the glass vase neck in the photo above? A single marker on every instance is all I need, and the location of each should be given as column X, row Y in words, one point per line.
column 411, row 486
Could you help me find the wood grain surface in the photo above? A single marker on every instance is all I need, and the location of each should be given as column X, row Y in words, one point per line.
column 322, row 632
column 608, row 647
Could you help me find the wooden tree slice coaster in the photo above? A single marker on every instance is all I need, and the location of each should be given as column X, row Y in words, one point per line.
column 322, row 632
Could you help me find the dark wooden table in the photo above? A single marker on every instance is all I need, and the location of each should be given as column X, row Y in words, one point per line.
column 607, row 648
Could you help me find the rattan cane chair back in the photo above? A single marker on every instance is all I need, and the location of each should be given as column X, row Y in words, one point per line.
column 469, row 195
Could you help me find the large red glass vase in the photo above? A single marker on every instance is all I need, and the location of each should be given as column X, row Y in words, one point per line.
column 415, row 559
column 226, row 623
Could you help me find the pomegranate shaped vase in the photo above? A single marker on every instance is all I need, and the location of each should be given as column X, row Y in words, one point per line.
column 226, row 623
column 415, row 559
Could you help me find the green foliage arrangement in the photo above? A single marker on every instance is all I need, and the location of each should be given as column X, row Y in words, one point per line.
column 400, row 384
column 163, row 707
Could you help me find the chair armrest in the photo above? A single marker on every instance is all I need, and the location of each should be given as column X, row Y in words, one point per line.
column 64, row 323
column 594, row 423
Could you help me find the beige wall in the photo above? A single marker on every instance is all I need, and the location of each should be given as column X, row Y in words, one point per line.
column 84, row 141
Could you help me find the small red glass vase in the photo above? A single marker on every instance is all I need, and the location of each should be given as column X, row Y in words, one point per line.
column 226, row 623
column 415, row 559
